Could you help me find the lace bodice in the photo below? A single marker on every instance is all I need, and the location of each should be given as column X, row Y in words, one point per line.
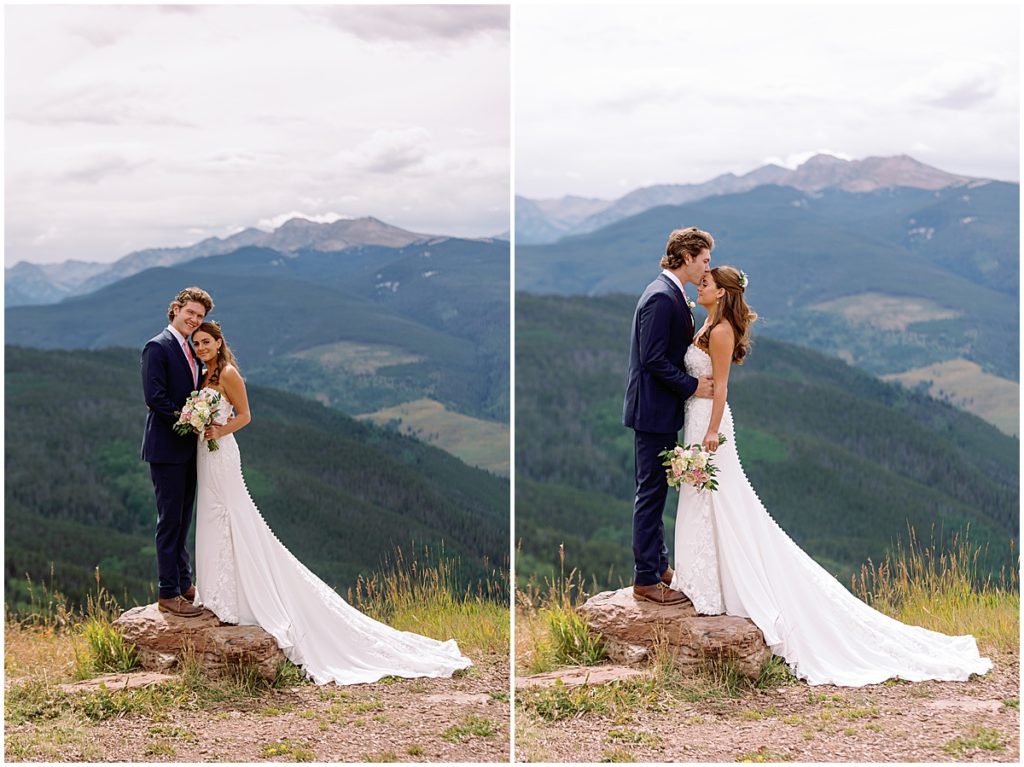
column 698, row 409
column 697, row 361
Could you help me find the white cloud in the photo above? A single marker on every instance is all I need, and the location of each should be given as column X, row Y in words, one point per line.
column 791, row 161
column 962, row 84
column 43, row 237
column 683, row 93
column 389, row 151
column 127, row 126
column 413, row 23
column 274, row 222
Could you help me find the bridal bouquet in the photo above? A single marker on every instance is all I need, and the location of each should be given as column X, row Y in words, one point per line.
column 690, row 465
column 198, row 413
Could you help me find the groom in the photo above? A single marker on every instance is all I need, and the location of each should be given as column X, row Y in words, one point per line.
column 657, row 387
column 170, row 373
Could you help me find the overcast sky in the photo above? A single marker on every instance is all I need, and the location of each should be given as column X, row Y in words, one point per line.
column 134, row 127
column 609, row 99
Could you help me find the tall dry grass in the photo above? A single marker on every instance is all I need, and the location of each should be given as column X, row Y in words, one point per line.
column 939, row 587
column 58, row 641
column 423, row 595
column 550, row 633
column 61, row 640
column 936, row 585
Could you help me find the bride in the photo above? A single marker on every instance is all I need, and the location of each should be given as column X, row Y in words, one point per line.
column 731, row 556
column 246, row 576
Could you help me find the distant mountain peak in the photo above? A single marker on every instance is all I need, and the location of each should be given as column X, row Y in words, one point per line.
column 47, row 283
column 823, row 158
column 547, row 220
column 297, row 222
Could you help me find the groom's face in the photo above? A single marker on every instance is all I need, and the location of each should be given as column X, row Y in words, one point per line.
column 188, row 317
column 697, row 267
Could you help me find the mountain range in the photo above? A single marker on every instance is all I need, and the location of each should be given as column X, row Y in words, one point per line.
column 366, row 329
column 842, row 461
column 548, row 220
column 27, row 283
column 340, row 494
column 917, row 284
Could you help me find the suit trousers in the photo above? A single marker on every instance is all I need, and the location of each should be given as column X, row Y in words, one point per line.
column 175, row 487
column 650, row 554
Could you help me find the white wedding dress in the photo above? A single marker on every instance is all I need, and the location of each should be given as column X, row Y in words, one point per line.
column 246, row 576
column 731, row 557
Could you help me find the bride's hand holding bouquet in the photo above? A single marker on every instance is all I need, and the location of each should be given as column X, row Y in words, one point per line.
column 691, row 465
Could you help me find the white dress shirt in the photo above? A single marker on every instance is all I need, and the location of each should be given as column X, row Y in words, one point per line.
column 679, row 285
column 192, row 364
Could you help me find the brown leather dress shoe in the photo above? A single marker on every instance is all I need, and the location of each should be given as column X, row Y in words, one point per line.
column 666, row 577
column 658, row 593
column 178, row 606
column 190, row 595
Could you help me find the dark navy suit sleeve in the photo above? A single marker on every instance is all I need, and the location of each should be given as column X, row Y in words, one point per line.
column 654, row 317
column 154, row 382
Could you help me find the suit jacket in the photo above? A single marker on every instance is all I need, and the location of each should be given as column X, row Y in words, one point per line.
column 657, row 385
column 167, row 383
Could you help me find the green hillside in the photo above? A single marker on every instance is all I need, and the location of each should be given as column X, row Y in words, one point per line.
column 441, row 305
column 339, row 493
column 947, row 261
column 843, row 461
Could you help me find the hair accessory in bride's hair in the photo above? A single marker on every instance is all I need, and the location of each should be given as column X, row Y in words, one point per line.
column 214, row 322
column 743, row 279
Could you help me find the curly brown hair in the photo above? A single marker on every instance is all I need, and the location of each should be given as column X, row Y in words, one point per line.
column 198, row 295
column 685, row 242
column 731, row 307
column 225, row 356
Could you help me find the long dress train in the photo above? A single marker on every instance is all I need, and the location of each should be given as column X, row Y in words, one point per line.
column 732, row 557
column 245, row 575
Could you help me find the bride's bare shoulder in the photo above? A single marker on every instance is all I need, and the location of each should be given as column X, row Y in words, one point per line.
column 230, row 374
column 723, row 331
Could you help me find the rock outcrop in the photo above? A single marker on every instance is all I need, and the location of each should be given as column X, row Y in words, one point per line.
column 634, row 630
column 163, row 639
column 118, row 682
column 580, row 675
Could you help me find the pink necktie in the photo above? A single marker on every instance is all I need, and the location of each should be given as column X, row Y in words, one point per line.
column 191, row 361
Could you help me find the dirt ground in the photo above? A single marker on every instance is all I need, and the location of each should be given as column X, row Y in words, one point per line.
column 978, row 720
column 463, row 719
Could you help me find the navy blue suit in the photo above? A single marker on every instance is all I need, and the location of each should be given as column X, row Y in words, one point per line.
column 657, row 387
column 167, row 383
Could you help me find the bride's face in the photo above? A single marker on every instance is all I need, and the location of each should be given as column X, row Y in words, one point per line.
column 206, row 346
column 708, row 292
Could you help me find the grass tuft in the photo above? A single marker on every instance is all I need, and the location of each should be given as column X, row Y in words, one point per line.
column 775, row 673
column 382, row 757
column 614, row 755
column 470, row 727
column 978, row 739
column 103, row 650
column 289, row 675
column 763, row 755
column 560, row 636
column 635, row 737
column 560, row 701
column 287, row 748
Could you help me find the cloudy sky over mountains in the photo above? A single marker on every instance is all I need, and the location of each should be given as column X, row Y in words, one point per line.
column 132, row 127
column 609, row 99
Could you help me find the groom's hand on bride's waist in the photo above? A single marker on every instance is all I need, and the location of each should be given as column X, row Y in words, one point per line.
column 705, row 387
